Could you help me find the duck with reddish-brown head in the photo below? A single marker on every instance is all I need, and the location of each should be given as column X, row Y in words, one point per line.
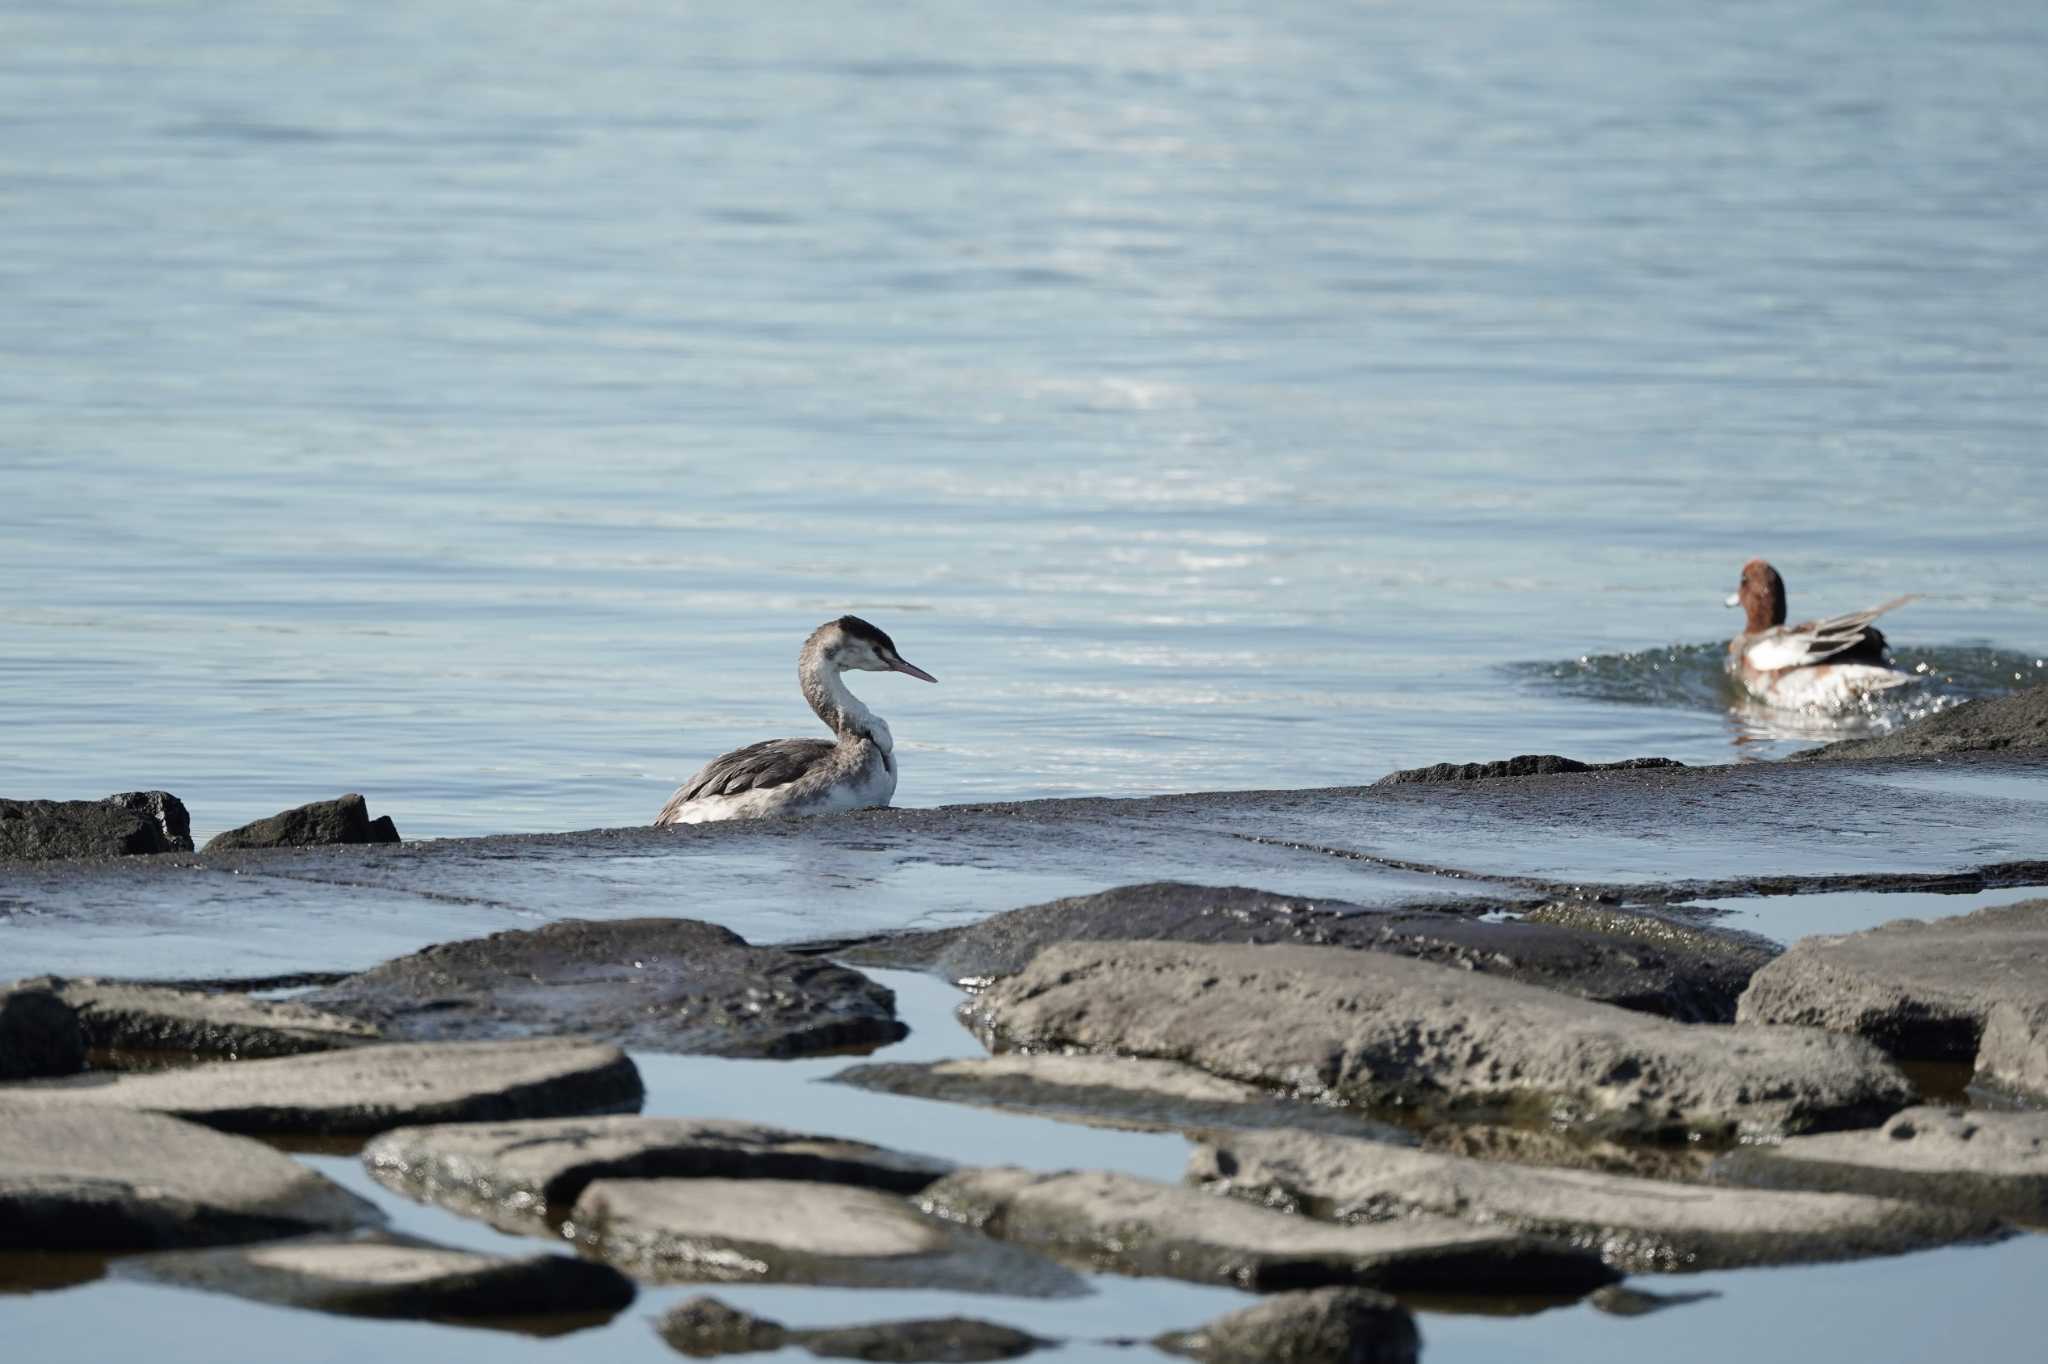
column 1815, row 665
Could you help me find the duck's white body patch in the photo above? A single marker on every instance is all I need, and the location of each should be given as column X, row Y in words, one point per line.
column 1824, row 686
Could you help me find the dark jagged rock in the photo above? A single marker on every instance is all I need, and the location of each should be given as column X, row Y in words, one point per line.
column 1997, row 722
column 37, row 830
column 676, row 985
column 704, row 1327
column 1635, row 961
column 86, row 1178
column 165, row 811
column 324, row 822
column 40, row 1034
column 1523, row 765
column 1316, row 1326
column 119, row 1016
column 382, row 1275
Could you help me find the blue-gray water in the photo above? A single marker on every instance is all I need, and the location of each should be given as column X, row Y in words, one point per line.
column 474, row 404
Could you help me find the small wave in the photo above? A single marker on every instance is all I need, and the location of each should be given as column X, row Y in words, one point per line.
column 1695, row 677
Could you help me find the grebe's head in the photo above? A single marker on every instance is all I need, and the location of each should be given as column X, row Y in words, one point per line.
column 1761, row 596
column 851, row 644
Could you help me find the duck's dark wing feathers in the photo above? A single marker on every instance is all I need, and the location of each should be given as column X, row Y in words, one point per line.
column 772, row 762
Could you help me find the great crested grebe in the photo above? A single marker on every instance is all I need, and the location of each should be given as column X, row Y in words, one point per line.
column 1815, row 665
column 808, row 776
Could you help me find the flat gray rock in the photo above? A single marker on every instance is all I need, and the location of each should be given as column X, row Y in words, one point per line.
column 1108, row 1091
column 1972, row 986
column 1374, row 1030
column 783, row 1231
column 674, row 985
column 1638, row 1225
column 704, row 1327
column 1993, row 1161
column 1695, row 975
column 1315, row 1326
column 1127, row 1225
column 364, row 1089
column 77, row 1178
column 381, row 1275
column 345, row 820
column 40, row 1034
column 119, row 826
column 2019, row 721
column 120, row 1016
column 519, row 1175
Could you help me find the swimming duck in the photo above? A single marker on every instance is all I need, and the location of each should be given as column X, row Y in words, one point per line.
column 1815, row 665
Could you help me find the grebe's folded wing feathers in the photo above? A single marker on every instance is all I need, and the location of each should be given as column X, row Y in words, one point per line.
column 772, row 762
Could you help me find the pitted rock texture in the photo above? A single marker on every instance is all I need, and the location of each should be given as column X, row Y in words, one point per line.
column 382, row 1275
column 1999, row 722
column 1122, row 1224
column 1691, row 973
column 1315, row 1326
column 116, row 1015
column 519, row 1174
column 1953, row 989
column 1953, row 1159
column 362, row 1089
column 675, row 985
column 1375, row 1030
column 119, row 826
column 778, row 1231
column 345, row 820
column 78, row 1178
column 165, row 811
column 1638, row 1225
column 1523, row 765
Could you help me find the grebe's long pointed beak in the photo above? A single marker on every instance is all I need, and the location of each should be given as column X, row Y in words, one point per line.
column 1734, row 599
column 897, row 665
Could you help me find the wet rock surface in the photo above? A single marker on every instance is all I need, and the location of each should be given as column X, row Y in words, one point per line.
column 361, row 1090
column 1993, row 1161
column 382, row 1275
column 1638, row 1225
column 121, row 1016
column 705, row 1327
column 345, row 820
column 1523, row 765
column 1949, row 990
column 1108, row 1091
column 519, row 1175
column 1315, row 1326
column 1694, row 975
column 1123, row 1224
column 1370, row 1029
column 119, row 826
column 40, row 1034
column 675, row 985
column 74, row 1178
column 778, row 1231
column 1991, row 724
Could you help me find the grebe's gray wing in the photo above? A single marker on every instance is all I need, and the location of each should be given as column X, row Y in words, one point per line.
column 772, row 762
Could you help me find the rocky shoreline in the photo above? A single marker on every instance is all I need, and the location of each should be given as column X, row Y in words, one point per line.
column 1515, row 1072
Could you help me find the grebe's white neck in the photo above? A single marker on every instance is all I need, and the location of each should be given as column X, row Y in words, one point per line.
column 839, row 708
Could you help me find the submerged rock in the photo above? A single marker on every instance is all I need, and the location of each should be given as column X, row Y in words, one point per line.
column 135, row 822
column 382, row 1275
column 1316, row 1326
column 1123, row 1224
column 1370, row 1029
column 78, row 1178
column 40, row 1034
column 1953, row 989
column 675, row 985
column 344, row 820
column 518, row 1175
column 1524, row 765
column 1108, row 1091
column 777, row 1231
column 363, row 1089
column 1998, row 722
column 1994, row 1161
column 1638, row 1225
column 705, row 1327
column 116, row 1015
column 1695, row 975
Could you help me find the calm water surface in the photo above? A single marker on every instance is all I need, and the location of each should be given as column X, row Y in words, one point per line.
column 475, row 404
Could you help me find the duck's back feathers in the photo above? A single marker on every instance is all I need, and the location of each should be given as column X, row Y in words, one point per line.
column 1839, row 639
